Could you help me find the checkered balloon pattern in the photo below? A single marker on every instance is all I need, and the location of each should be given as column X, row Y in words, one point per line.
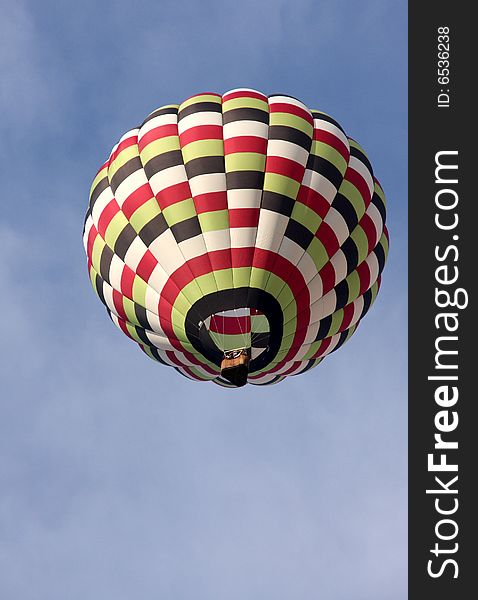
column 237, row 221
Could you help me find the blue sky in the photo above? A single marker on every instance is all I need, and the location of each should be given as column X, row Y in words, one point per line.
column 120, row 479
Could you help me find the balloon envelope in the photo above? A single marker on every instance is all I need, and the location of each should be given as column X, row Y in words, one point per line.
column 239, row 222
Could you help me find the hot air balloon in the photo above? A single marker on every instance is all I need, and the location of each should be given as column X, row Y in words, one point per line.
column 237, row 238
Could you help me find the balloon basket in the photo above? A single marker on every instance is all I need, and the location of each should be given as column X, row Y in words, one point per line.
column 235, row 367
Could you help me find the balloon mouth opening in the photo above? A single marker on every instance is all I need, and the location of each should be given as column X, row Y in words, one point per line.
column 239, row 328
column 214, row 325
column 235, row 367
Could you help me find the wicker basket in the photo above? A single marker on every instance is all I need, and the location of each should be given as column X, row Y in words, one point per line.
column 235, row 367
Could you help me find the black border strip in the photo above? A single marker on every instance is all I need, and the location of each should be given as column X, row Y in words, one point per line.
column 440, row 116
